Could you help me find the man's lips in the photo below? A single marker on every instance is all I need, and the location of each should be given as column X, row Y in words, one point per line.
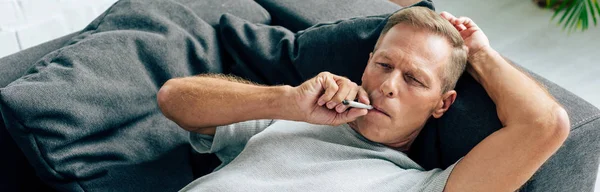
column 378, row 109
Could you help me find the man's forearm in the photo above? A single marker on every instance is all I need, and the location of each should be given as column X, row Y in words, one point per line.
column 518, row 98
column 200, row 102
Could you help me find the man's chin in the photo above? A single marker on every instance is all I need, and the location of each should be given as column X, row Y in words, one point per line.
column 371, row 136
column 373, row 120
column 367, row 129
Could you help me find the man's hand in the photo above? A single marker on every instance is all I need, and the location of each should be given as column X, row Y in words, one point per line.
column 319, row 100
column 474, row 38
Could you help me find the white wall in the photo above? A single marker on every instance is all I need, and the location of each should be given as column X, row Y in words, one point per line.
column 26, row 23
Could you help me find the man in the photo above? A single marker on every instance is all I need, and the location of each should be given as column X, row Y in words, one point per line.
column 317, row 143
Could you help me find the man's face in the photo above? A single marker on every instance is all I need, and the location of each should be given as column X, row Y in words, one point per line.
column 403, row 80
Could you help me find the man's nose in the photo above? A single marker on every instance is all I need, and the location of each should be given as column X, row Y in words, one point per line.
column 389, row 87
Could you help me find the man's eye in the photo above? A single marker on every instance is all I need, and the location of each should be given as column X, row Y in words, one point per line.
column 387, row 66
column 413, row 79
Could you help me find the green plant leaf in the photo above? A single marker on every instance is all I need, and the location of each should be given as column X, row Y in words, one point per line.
column 576, row 13
column 577, row 18
column 570, row 22
column 560, row 8
column 595, row 2
column 569, row 11
column 592, row 12
column 589, row 12
column 583, row 17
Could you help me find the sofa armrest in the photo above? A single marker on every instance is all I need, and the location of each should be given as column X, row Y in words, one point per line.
column 574, row 167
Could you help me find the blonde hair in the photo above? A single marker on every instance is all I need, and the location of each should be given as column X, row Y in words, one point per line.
column 425, row 18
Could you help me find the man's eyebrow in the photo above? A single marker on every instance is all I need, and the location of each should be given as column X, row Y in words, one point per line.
column 385, row 55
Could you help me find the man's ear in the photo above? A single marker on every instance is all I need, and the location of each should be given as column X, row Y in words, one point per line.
column 447, row 99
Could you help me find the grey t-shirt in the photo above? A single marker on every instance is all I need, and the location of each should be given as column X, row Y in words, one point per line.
column 278, row 155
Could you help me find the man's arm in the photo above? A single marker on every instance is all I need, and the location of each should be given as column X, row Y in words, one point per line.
column 201, row 103
column 534, row 124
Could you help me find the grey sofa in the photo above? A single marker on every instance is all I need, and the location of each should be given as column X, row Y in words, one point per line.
column 572, row 168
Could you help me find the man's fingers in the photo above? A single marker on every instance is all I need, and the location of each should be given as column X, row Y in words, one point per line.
column 447, row 15
column 468, row 32
column 345, row 88
column 355, row 113
column 330, row 87
column 460, row 23
column 460, row 27
column 363, row 96
column 360, row 93
column 337, row 89
column 350, row 97
column 467, row 22
column 350, row 115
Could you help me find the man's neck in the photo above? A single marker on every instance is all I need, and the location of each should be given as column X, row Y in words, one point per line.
column 405, row 144
column 402, row 145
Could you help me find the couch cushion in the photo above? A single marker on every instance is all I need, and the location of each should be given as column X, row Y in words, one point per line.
column 86, row 115
column 210, row 10
column 298, row 15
